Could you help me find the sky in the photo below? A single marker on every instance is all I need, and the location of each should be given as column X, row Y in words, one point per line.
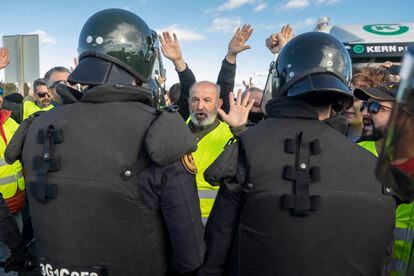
column 203, row 27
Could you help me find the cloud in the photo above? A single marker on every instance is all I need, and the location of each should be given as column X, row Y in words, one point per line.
column 269, row 26
column 294, row 4
column 44, row 37
column 310, row 21
column 182, row 34
column 234, row 4
column 327, row 2
column 301, row 4
column 260, row 7
column 225, row 24
column 261, row 74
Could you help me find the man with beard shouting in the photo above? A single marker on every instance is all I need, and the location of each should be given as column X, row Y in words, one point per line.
column 212, row 134
column 377, row 104
column 376, row 107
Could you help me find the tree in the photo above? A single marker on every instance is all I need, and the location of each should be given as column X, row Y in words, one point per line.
column 9, row 88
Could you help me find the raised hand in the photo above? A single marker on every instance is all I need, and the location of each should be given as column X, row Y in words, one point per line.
column 237, row 43
column 4, row 58
column 248, row 85
column 239, row 110
column 75, row 63
column 278, row 40
column 171, row 50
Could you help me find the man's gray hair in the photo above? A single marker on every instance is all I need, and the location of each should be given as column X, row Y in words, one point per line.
column 49, row 73
column 37, row 83
column 217, row 87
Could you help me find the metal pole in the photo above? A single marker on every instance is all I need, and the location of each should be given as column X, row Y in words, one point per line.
column 21, row 64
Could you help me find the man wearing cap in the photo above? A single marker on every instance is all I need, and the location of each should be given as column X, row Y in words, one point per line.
column 377, row 104
column 41, row 101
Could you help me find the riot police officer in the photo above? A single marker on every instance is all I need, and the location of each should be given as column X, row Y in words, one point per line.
column 396, row 163
column 296, row 196
column 110, row 183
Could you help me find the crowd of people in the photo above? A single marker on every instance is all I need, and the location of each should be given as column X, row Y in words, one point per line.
column 116, row 187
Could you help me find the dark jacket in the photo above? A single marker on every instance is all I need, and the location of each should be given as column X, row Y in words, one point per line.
column 302, row 201
column 9, row 232
column 115, row 193
column 225, row 80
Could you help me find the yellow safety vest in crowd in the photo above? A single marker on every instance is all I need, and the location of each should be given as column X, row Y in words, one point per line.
column 208, row 149
column 30, row 107
column 404, row 228
column 11, row 177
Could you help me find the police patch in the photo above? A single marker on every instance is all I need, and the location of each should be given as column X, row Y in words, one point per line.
column 189, row 164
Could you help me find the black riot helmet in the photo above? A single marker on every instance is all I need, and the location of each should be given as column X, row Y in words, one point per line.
column 395, row 166
column 312, row 62
column 115, row 46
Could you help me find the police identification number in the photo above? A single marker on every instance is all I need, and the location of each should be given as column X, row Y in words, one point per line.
column 48, row 270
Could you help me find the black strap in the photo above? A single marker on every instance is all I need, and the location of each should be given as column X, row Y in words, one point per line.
column 290, row 146
column 300, row 202
column 140, row 164
column 45, row 164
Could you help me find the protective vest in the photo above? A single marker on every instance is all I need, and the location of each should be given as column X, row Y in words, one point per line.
column 208, row 149
column 87, row 213
column 309, row 192
column 404, row 228
column 11, row 178
column 30, row 107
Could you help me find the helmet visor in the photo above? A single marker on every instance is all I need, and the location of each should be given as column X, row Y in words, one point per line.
column 396, row 164
column 96, row 71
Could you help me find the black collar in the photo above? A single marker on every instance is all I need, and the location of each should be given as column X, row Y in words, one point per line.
column 117, row 93
column 284, row 107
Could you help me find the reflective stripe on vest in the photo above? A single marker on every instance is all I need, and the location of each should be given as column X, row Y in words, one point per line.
column 404, row 234
column 9, row 179
column 403, row 239
column 207, row 194
column 30, row 107
column 208, row 149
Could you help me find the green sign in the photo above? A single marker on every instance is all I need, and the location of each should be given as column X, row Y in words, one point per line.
column 386, row 29
column 358, row 49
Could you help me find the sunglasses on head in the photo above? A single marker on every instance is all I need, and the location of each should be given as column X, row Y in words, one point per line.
column 373, row 107
column 42, row 95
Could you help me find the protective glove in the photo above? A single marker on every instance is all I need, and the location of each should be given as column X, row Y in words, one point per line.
column 20, row 260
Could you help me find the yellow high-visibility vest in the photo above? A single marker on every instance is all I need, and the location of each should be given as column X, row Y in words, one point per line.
column 208, row 149
column 30, row 107
column 11, row 177
column 404, row 228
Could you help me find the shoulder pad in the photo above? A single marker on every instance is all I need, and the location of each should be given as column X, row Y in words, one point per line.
column 169, row 138
column 225, row 166
column 15, row 146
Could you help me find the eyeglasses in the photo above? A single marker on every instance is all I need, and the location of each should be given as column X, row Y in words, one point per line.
column 373, row 107
column 42, row 95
